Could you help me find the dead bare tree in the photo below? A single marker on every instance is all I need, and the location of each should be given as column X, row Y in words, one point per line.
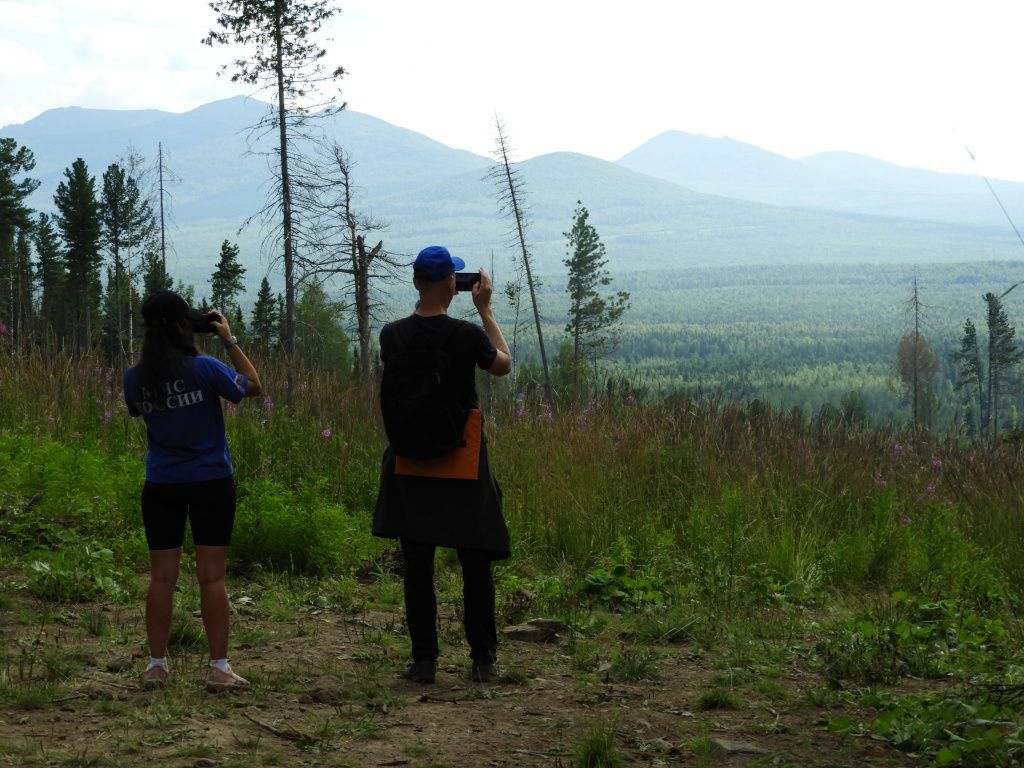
column 512, row 204
column 331, row 237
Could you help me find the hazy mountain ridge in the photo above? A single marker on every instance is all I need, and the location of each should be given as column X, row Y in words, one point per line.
column 841, row 181
column 432, row 193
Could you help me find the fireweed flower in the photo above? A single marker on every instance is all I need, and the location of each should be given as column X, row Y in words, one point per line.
column 268, row 403
column 106, row 415
column 936, row 463
column 326, row 432
column 897, row 448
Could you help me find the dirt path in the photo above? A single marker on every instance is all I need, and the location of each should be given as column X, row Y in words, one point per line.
column 327, row 692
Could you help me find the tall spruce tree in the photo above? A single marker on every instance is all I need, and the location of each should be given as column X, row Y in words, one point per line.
column 154, row 274
column 265, row 320
column 51, row 277
column 592, row 317
column 287, row 61
column 78, row 219
column 1003, row 356
column 226, row 281
column 971, row 379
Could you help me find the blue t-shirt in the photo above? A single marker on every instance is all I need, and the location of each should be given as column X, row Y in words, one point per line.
column 184, row 420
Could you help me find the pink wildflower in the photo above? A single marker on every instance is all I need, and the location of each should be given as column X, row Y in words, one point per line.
column 937, row 463
column 326, row 432
column 897, row 448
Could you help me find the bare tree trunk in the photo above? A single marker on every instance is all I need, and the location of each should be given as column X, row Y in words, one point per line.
column 286, row 216
column 510, row 192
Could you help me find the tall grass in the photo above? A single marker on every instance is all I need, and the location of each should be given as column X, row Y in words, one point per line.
column 723, row 496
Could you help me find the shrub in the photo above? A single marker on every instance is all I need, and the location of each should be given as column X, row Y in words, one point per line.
column 297, row 531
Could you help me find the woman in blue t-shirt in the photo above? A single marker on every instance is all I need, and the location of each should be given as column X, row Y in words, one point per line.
column 189, row 476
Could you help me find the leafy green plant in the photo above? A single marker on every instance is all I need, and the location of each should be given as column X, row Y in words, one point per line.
column 616, row 587
column 77, row 573
column 971, row 731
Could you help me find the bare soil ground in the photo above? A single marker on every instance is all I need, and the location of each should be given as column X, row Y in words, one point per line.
column 327, row 692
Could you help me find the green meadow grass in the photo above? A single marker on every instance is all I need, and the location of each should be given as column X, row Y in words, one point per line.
column 642, row 525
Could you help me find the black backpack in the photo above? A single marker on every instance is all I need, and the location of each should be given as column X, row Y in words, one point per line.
column 422, row 405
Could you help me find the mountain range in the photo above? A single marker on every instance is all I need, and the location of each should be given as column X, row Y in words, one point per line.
column 677, row 201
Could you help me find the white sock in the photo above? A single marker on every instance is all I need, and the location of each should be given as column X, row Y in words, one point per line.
column 154, row 662
column 221, row 664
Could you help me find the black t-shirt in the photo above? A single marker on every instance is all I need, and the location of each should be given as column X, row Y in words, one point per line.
column 467, row 347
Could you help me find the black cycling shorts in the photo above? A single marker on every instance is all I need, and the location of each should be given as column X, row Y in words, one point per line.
column 208, row 505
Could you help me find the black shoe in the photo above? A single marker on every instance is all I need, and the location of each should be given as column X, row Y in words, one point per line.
column 484, row 672
column 420, row 671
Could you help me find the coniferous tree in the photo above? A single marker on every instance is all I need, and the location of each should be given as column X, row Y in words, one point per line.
column 127, row 223
column 15, row 217
column 22, row 311
column 51, row 277
column 265, row 321
column 78, row 219
column 971, row 378
column 592, row 317
column 287, row 61
column 154, row 276
column 1003, row 355
column 226, row 281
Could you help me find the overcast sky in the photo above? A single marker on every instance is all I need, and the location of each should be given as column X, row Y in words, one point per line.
column 907, row 81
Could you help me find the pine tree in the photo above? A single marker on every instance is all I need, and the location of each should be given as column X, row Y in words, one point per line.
column 226, row 281
column 51, row 276
column 592, row 318
column 265, row 320
column 22, row 310
column 15, row 223
column 287, row 61
column 127, row 223
column 78, row 219
column 154, row 277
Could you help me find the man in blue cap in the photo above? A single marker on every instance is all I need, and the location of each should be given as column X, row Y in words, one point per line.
column 426, row 503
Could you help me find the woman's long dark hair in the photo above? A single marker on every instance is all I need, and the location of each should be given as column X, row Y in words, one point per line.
column 164, row 349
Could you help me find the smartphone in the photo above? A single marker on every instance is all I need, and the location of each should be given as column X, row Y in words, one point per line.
column 201, row 322
column 464, row 280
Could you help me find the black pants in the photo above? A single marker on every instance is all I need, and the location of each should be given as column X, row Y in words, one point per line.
column 421, row 601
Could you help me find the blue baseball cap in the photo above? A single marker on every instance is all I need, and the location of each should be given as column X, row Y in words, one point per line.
column 435, row 263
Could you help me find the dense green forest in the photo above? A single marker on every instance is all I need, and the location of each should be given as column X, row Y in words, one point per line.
column 797, row 336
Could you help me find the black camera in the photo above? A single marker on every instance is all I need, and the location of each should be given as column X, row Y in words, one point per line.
column 201, row 321
column 464, row 280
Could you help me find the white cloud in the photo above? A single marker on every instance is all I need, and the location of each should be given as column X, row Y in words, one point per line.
column 18, row 62
column 34, row 17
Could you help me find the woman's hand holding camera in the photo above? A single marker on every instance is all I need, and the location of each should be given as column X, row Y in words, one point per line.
column 220, row 326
